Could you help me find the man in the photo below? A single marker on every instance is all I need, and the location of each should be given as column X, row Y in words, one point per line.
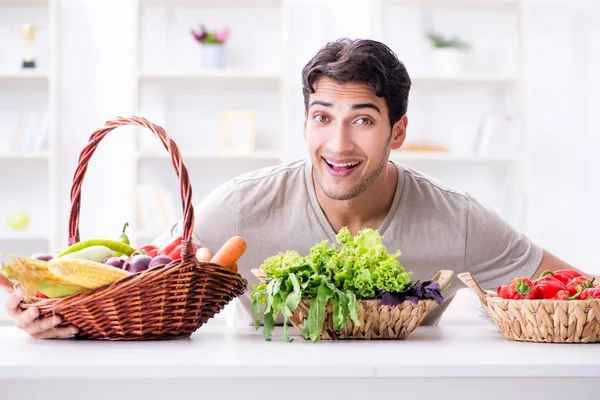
column 355, row 96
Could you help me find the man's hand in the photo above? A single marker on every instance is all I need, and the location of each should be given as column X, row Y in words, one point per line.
column 42, row 328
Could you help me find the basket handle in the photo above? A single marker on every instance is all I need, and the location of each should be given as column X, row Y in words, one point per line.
column 443, row 277
column 470, row 281
column 180, row 169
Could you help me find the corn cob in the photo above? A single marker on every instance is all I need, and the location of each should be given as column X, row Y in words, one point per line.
column 85, row 273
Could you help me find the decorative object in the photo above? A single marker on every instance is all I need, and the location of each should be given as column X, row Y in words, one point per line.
column 238, row 131
column 213, row 46
column 18, row 220
column 448, row 53
column 28, row 32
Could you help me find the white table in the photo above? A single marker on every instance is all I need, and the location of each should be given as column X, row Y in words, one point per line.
column 449, row 362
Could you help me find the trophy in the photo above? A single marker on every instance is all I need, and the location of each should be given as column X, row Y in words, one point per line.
column 28, row 32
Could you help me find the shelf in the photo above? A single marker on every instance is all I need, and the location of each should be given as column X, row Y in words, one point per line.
column 465, row 79
column 216, row 3
column 24, row 75
column 258, row 155
column 401, row 156
column 25, row 156
column 19, row 2
column 454, row 4
column 23, row 236
column 209, row 75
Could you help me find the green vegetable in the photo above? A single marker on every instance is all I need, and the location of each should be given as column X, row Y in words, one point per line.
column 93, row 253
column 117, row 247
column 55, row 289
column 358, row 268
column 124, row 237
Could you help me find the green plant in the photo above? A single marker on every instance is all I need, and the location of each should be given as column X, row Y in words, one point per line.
column 439, row 41
column 204, row 36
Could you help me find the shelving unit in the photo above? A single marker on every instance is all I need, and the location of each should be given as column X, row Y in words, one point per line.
column 174, row 91
column 28, row 111
column 457, row 109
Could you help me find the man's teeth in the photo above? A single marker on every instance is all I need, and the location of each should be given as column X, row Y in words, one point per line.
column 342, row 165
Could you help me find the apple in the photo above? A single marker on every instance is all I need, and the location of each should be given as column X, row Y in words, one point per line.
column 18, row 220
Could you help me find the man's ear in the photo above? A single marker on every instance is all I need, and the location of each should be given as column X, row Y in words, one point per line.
column 399, row 133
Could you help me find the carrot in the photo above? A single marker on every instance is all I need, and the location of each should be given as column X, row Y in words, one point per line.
column 230, row 253
column 203, row 254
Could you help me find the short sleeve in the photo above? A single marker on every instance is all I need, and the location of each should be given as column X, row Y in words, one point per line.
column 215, row 220
column 495, row 252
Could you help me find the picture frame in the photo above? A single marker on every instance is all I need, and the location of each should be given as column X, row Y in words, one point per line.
column 238, row 131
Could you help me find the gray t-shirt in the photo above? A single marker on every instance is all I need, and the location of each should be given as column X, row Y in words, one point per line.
column 275, row 209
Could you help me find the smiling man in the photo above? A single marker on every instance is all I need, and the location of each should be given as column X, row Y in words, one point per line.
column 355, row 96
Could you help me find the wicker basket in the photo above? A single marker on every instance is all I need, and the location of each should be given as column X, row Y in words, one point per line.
column 543, row 320
column 376, row 322
column 168, row 302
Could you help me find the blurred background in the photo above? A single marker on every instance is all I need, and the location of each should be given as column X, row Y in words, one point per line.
column 503, row 103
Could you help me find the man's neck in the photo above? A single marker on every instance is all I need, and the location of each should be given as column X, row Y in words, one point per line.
column 368, row 210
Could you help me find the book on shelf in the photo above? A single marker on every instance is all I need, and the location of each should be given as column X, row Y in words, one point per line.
column 24, row 131
column 155, row 209
column 499, row 135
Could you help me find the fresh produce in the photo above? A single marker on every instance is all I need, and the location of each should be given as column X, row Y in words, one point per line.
column 565, row 284
column 138, row 263
column 359, row 268
column 96, row 253
column 159, row 261
column 590, row 294
column 170, row 248
column 203, row 254
column 124, row 237
column 52, row 289
column 149, row 249
column 85, row 273
column 117, row 262
column 519, row 288
column 42, row 256
column 116, row 247
column 229, row 254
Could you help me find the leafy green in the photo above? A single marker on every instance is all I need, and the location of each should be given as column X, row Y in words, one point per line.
column 354, row 267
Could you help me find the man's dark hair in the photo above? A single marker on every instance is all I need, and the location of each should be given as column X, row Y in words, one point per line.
column 361, row 61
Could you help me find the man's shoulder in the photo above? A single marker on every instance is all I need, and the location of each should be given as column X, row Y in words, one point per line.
column 421, row 185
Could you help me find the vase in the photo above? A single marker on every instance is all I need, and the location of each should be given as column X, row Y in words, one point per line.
column 448, row 61
column 213, row 56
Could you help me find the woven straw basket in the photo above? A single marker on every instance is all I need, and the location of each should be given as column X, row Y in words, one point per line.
column 540, row 320
column 168, row 302
column 376, row 321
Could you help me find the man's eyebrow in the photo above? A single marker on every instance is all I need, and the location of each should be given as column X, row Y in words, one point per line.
column 366, row 105
column 320, row 103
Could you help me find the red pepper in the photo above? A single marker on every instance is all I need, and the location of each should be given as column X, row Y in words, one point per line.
column 549, row 286
column 167, row 248
column 563, row 275
column 590, row 293
column 566, row 295
column 149, row 249
column 175, row 254
column 519, row 288
column 40, row 295
column 583, row 281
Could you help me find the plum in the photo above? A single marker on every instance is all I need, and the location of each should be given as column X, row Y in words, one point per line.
column 138, row 263
column 159, row 261
column 115, row 262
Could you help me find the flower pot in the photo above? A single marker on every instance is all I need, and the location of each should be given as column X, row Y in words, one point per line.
column 213, row 56
column 448, row 60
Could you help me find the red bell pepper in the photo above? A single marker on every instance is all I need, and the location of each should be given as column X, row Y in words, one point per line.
column 563, row 275
column 149, row 249
column 175, row 254
column 583, row 281
column 590, row 293
column 566, row 295
column 549, row 286
column 167, row 248
column 519, row 288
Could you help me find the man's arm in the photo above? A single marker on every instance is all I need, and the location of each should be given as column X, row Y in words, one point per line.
column 552, row 263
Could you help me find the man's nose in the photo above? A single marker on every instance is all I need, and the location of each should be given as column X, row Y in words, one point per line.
column 341, row 139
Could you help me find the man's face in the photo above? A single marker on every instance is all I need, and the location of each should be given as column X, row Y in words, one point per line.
column 349, row 137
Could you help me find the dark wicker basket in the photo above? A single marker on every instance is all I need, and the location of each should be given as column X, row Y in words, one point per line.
column 167, row 302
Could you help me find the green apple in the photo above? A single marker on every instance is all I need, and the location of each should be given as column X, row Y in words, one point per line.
column 18, row 220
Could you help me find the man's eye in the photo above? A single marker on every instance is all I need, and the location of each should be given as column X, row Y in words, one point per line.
column 320, row 118
column 364, row 121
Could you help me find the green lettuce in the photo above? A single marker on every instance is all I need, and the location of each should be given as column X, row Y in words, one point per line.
column 354, row 267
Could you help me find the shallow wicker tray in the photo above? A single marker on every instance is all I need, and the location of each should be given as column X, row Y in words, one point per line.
column 543, row 320
column 376, row 321
column 168, row 302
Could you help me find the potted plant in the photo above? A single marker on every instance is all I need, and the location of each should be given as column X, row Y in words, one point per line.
column 213, row 46
column 448, row 52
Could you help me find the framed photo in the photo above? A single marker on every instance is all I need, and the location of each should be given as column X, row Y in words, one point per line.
column 238, row 131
